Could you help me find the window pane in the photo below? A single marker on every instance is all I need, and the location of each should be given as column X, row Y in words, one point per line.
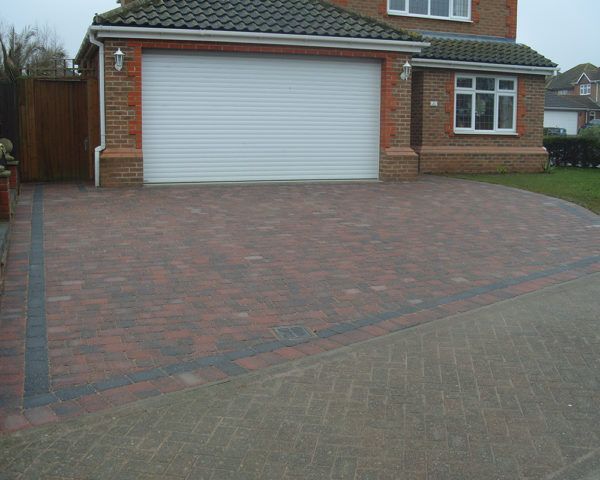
column 440, row 8
column 462, row 82
column 486, row 83
column 484, row 111
column 398, row 5
column 464, row 110
column 506, row 110
column 418, row 6
column 461, row 8
column 507, row 84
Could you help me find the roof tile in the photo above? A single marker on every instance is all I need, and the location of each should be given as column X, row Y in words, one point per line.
column 569, row 102
column 496, row 52
column 308, row 17
column 300, row 17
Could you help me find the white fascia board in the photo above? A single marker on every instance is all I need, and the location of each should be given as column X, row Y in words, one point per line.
column 258, row 38
column 488, row 67
column 580, row 77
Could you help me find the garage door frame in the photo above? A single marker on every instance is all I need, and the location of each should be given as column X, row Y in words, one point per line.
column 151, row 144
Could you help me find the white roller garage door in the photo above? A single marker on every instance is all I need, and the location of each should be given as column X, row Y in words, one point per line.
column 242, row 117
column 560, row 119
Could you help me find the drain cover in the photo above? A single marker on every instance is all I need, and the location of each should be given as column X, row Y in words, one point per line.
column 294, row 332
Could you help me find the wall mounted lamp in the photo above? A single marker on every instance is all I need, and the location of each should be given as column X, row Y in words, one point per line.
column 119, row 60
column 406, row 69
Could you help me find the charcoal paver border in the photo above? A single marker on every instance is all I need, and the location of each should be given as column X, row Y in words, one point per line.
column 37, row 380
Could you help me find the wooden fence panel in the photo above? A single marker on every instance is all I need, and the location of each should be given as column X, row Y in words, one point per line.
column 9, row 114
column 54, row 130
column 28, row 159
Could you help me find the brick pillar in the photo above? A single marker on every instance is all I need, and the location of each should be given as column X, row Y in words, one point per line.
column 397, row 161
column 5, row 203
column 15, row 179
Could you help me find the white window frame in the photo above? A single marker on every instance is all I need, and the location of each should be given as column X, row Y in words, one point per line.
column 585, row 89
column 497, row 94
column 451, row 17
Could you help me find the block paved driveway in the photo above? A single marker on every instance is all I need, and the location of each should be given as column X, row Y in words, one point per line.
column 113, row 296
column 505, row 392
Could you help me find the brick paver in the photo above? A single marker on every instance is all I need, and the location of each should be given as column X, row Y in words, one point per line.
column 154, row 290
column 508, row 391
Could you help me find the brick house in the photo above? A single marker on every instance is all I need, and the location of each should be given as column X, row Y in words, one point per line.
column 253, row 90
column 573, row 98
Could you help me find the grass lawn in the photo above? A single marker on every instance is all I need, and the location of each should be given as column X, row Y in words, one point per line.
column 577, row 185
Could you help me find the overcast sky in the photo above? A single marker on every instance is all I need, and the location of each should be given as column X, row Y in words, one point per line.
column 567, row 36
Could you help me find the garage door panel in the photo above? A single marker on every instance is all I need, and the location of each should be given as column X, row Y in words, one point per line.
column 561, row 119
column 230, row 117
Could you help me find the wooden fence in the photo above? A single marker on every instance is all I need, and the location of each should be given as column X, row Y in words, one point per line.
column 9, row 120
column 58, row 125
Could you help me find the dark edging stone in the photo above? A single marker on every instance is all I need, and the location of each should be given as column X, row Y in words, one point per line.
column 4, row 235
column 37, row 381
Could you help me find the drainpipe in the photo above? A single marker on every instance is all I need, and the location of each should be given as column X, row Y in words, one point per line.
column 102, row 146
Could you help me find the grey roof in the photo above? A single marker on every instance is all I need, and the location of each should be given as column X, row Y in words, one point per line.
column 311, row 17
column 569, row 102
column 566, row 79
column 483, row 51
column 300, row 17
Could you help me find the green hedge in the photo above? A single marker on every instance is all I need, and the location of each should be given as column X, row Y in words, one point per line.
column 573, row 151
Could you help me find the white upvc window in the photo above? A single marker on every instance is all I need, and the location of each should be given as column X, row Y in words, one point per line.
column 485, row 104
column 441, row 9
column 585, row 89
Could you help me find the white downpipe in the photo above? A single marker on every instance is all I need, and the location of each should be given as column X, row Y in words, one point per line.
column 102, row 145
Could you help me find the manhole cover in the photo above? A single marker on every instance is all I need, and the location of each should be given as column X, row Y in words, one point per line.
column 294, row 332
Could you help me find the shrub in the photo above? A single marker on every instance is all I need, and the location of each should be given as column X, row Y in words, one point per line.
column 591, row 133
column 581, row 151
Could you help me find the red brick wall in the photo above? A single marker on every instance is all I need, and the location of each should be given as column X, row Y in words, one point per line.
column 437, row 122
column 5, row 206
column 118, row 85
column 121, row 168
column 595, row 95
column 441, row 150
column 121, row 163
column 488, row 17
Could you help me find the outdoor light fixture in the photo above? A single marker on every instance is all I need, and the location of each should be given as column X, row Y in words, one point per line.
column 119, row 60
column 406, row 68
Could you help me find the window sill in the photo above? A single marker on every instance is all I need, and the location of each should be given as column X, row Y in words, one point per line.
column 504, row 134
column 429, row 17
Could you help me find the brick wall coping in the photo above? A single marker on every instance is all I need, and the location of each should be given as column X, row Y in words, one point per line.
column 400, row 152
column 495, row 150
column 122, row 153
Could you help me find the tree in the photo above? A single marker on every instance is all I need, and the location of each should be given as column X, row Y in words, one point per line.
column 50, row 49
column 31, row 48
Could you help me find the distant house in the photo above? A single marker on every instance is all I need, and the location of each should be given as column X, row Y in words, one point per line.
column 569, row 111
column 581, row 80
column 573, row 98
